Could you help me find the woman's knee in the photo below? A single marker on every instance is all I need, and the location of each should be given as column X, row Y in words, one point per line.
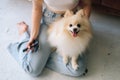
column 79, row 72
column 34, row 63
column 33, row 71
column 82, row 70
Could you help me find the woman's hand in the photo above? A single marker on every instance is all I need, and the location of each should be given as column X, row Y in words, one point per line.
column 30, row 43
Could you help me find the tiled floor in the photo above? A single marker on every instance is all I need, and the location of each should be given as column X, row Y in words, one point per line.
column 103, row 59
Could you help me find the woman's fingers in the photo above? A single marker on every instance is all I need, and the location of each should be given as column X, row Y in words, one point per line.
column 29, row 46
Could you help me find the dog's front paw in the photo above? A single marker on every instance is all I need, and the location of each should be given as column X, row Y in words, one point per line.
column 65, row 60
column 75, row 66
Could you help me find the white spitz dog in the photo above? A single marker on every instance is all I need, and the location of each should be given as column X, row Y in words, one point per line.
column 71, row 36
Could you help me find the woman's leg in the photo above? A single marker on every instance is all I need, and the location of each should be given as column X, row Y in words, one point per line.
column 32, row 62
column 55, row 63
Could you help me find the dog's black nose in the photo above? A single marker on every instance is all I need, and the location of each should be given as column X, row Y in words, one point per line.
column 75, row 29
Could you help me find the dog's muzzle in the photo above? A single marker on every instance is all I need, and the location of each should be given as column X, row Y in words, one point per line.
column 75, row 32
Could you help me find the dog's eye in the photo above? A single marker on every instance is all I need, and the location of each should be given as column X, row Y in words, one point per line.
column 78, row 25
column 70, row 25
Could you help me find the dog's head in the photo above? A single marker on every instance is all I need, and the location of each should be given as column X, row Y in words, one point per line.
column 75, row 24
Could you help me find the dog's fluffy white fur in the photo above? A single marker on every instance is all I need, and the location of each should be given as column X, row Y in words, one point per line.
column 70, row 43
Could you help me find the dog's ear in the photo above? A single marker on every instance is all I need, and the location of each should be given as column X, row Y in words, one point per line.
column 80, row 13
column 68, row 13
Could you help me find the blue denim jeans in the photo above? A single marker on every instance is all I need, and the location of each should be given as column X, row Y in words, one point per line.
column 34, row 62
